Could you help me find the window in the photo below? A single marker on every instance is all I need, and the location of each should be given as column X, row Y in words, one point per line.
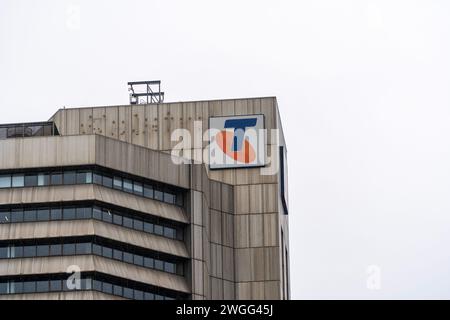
column 18, row 181
column 96, row 249
column 138, row 295
column 118, row 290
column 97, row 285
column 169, row 232
column 17, row 287
column 159, row 195
column 127, row 222
column 84, row 177
column 5, row 217
column 43, row 214
column 158, row 230
column 128, row 186
column 42, row 286
column 29, row 251
column 169, row 198
column 55, row 285
column 3, row 252
column 43, row 251
column 29, row 287
column 69, row 214
column 149, row 263
column 17, row 216
column 5, row 182
column 29, row 215
column 16, row 252
column 128, row 293
column 97, row 213
column 97, row 178
column 149, row 296
column 159, row 265
column 107, row 216
column 117, row 219
column 117, row 254
column 56, row 250
column 148, row 191
column 169, row 267
column 107, row 252
column 43, row 179
column 107, row 182
column 127, row 257
column 31, row 180
column 138, row 260
column 117, row 183
column 70, row 177
column 138, row 188
column 83, row 213
column 69, row 249
column 56, row 179
column 148, row 227
column 138, row 225
column 3, row 288
column 83, row 248
column 107, row 288
column 56, row 214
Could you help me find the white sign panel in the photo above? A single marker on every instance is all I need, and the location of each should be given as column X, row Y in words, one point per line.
column 237, row 142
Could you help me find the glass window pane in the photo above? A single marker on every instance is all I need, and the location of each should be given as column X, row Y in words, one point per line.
column 148, row 191
column 159, row 265
column 169, row 267
column 127, row 257
column 118, row 183
column 56, row 179
column 138, row 295
column 86, row 284
column 29, row 287
column 169, row 198
column 138, row 188
column 56, row 250
column 18, row 181
column 69, row 214
column 149, row 296
column 43, row 179
column 96, row 249
column 83, row 248
column 128, row 293
column 43, row 251
column 84, row 177
column 149, row 262
column 69, row 249
column 128, row 186
column 138, row 260
column 158, row 230
column 43, row 214
column 117, row 254
column 17, row 216
column 107, row 288
column 127, row 222
column 16, row 252
column 5, row 182
column 159, row 195
column 42, row 286
column 56, row 214
column 29, row 251
column 70, row 177
column 107, row 182
column 117, row 219
column 55, row 285
column 3, row 252
column 138, row 225
column 83, row 213
column 118, row 290
column 3, row 287
column 107, row 252
column 17, row 287
column 97, row 213
column 31, row 181
column 97, row 178
column 97, row 285
column 148, row 227
column 29, row 215
column 5, row 217
column 107, row 216
column 169, row 232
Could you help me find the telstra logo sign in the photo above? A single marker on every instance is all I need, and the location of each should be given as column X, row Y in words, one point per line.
column 237, row 142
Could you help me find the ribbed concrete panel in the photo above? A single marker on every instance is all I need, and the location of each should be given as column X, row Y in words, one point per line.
column 76, row 295
column 89, row 263
column 55, row 229
column 90, row 193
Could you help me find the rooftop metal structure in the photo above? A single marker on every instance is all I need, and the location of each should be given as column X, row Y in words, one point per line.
column 145, row 92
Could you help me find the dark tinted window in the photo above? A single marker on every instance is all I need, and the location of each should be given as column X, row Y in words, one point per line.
column 70, row 177
column 56, row 249
column 43, row 214
column 56, row 214
column 69, row 213
column 56, row 178
column 31, row 180
column 55, row 285
column 97, row 178
column 5, row 217
column 69, row 249
column 29, row 215
column 107, row 182
column 43, row 251
column 3, row 252
column 159, row 195
column 17, row 216
column 29, row 251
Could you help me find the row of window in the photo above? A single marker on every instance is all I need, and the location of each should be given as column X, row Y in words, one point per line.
column 28, row 130
column 90, row 212
column 72, row 177
column 84, row 284
column 69, row 249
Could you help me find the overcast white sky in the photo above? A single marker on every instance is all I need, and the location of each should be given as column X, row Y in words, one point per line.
column 363, row 89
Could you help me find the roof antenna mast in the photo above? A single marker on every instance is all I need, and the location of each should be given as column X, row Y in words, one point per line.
column 145, row 92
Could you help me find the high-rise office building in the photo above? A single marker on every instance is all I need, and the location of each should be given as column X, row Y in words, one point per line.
column 102, row 203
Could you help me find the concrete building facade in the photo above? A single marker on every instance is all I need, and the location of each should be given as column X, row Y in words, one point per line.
column 94, row 194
